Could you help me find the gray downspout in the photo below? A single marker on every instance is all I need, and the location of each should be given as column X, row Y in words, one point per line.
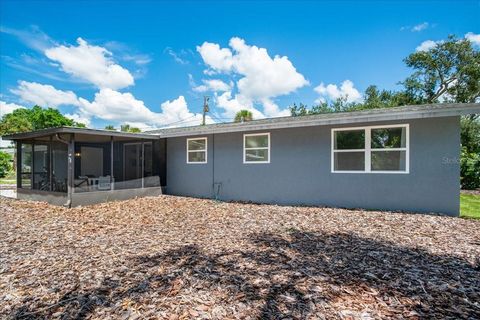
column 213, row 166
column 71, row 155
column 215, row 185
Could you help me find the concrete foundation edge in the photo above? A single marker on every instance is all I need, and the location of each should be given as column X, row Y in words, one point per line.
column 87, row 198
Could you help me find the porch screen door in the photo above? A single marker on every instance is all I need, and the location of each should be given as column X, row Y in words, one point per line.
column 133, row 164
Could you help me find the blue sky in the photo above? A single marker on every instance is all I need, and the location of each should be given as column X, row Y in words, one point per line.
column 150, row 63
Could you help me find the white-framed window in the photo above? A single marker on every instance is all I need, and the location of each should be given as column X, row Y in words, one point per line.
column 197, row 150
column 256, row 148
column 372, row 149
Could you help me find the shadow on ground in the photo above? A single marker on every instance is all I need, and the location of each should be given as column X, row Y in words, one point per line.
column 293, row 275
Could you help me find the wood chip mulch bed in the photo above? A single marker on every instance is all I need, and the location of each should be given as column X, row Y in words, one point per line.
column 180, row 258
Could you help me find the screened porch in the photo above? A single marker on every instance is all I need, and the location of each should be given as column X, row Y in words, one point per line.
column 74, row 161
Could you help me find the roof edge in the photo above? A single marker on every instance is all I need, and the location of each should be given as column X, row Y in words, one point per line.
column 64, row 129
column 385, row 114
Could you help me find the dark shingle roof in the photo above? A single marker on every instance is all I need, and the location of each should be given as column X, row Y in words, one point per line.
column 386, row 114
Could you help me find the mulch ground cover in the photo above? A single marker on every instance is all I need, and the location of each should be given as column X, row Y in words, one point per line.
column 180, row 258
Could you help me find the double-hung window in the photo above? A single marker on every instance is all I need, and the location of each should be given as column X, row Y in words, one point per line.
column 256, row 148
column 374, row 149
column 197, row 150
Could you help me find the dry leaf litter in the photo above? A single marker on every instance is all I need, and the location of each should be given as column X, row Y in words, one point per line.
column 182, row 258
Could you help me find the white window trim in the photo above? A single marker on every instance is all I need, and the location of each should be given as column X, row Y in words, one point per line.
column 257, row 148
column 368, row 150
column 200, row 150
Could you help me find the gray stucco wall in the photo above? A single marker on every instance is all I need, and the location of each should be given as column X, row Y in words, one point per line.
column 299, row 172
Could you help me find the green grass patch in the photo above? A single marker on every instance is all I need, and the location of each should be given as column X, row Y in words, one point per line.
column 470, row 206
column 8, row 181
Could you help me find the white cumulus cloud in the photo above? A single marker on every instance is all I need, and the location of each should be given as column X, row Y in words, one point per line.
column 175, row 113
column 91, row 63
column 112, row 105
column 8, row 107
column 346, row 91
column 473, row 38
column 232, row 105
column 121, row 107
column 426, row 45
column 262, row 77
column 214, row 85
column 44, row 95
column 79, row 118
column 429, row 44
column 219, row 59
column 108, row 105
column 271, row 108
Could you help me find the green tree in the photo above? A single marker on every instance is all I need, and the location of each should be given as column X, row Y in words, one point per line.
column 470, row 156
column 449, row 72
column 36, row 118
column 16, row 121
column 47, row 118
column 303, row 110
column 110, row 127
column 375, row 99
column 5, row 164
column 469, row 170
column 470, row 134
column 243, row 115
column 338, row 105
column 128, row 128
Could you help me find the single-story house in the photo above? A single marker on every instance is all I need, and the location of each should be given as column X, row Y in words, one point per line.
column 404, row 158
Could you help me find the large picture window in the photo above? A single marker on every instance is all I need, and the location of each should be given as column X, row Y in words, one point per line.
column 375, row 149
column 197, row 150
column 256, row 148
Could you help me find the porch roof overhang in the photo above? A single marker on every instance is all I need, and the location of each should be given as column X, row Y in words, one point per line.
column 82, row 131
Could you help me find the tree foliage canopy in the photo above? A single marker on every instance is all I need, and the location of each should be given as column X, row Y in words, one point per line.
column 243, row 115
column 5, row 164
column 448, row 72
column 128, row 128
column 36, row 118
column 110, row 127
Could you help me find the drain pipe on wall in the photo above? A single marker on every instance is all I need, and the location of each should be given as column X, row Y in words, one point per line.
column 215, row 185
column 213, row 166
column 70, row 153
